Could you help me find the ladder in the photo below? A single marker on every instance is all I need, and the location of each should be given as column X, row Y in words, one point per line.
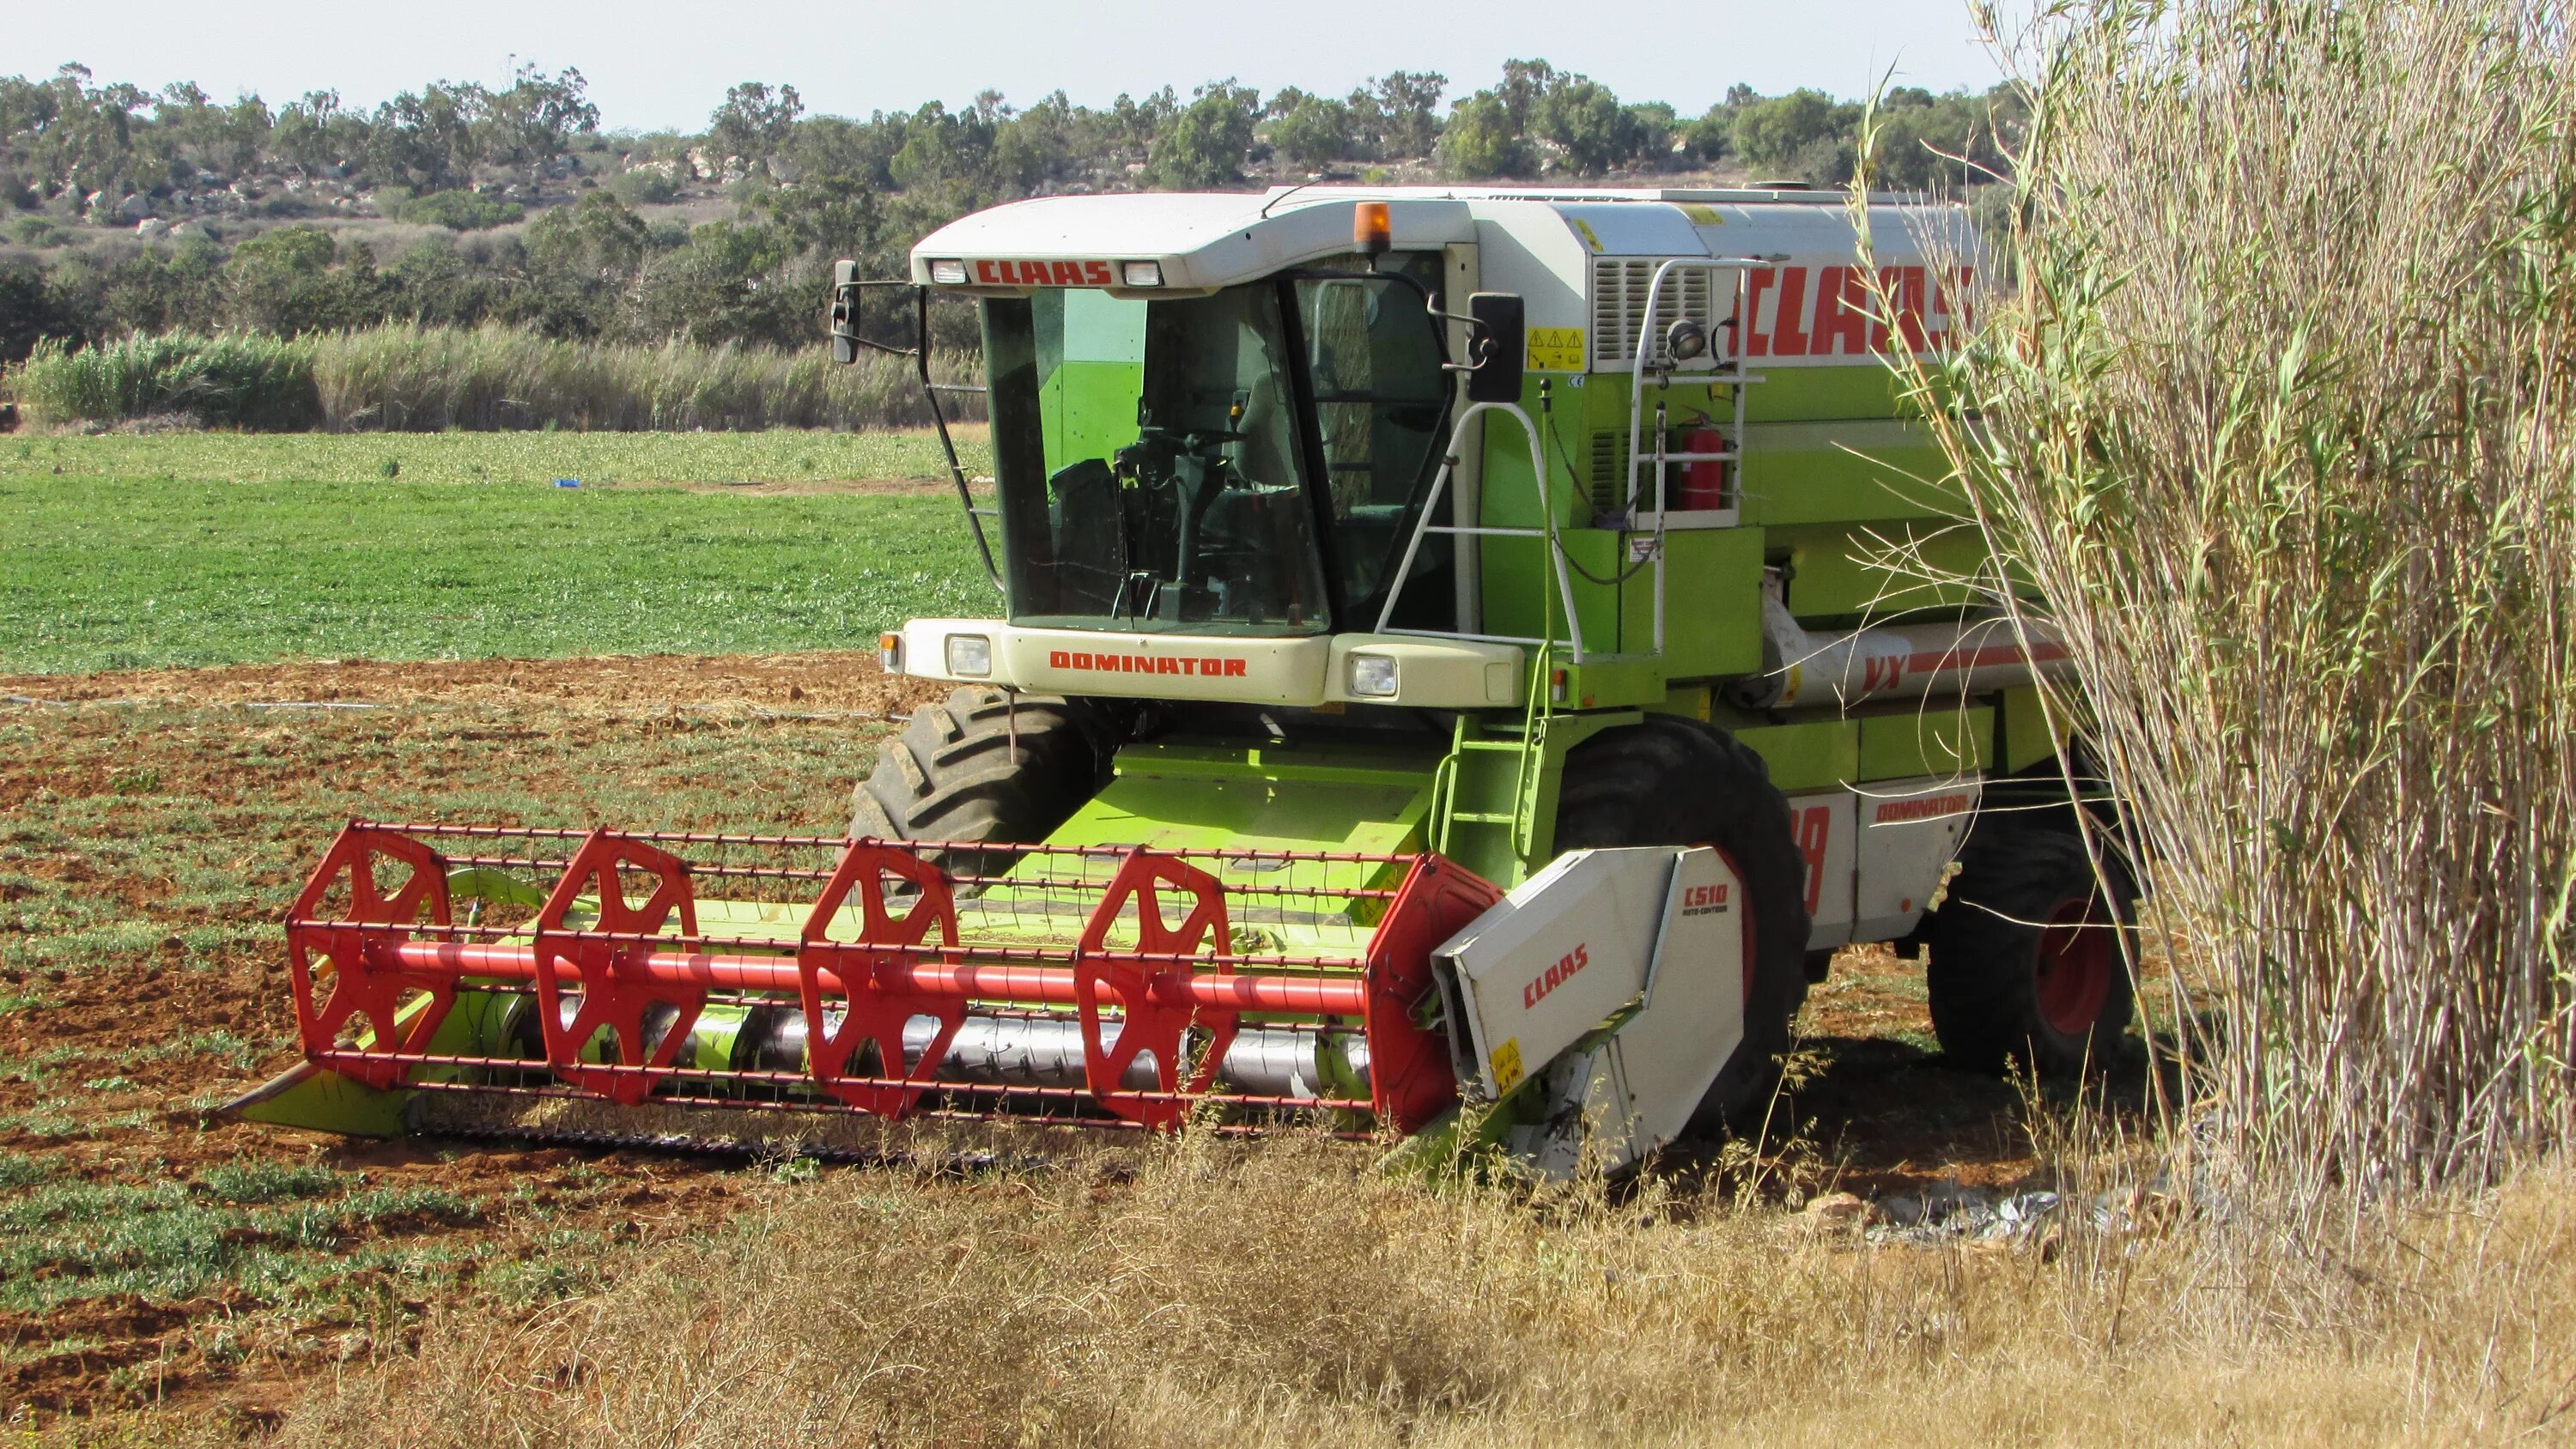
column 1654, row 370
column 1423, row 527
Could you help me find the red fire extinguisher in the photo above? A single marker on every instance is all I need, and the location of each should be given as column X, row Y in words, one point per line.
column 1703, row 482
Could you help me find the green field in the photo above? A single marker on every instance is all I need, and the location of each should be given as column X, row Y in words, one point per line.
column 786, row 456
column 200, row 549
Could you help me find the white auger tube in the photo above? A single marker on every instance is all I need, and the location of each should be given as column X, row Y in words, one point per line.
column 1895, row 661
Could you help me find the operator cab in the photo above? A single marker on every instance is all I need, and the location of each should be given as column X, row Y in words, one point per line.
column 1247, row 461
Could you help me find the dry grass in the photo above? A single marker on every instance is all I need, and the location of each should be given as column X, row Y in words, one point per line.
column 1204, row 1293
column 2275, row 421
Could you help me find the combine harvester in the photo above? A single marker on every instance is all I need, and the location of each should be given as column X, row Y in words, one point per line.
column 1451, row 668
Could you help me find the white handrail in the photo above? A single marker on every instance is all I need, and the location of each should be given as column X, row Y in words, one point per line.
column 1646, row 343
column 1547, row 529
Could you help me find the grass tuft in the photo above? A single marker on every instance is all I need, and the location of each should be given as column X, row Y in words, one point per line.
column 257, row 1182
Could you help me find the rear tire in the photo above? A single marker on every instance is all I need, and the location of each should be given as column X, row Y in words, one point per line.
column 978, row 767
column 1668, row 780
column 2025, row 963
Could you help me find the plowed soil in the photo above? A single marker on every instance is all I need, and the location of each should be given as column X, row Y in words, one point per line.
column 797, row 683
column 153, row 824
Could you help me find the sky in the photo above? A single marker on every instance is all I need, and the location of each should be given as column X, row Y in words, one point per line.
column 654, row 64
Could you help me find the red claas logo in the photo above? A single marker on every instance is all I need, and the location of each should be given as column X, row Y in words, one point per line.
column 1145, row 663
column 1555, row 976
column 1828, row 311
column 1042, row 274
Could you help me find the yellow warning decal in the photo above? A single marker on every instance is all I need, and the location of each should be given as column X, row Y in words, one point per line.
column 1590, row 237
column 1556, row 349
column 1506, row 1060
column 1702, row 214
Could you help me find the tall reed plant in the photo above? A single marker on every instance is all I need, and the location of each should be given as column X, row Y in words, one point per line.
column 250, row 381
column 2271, row 419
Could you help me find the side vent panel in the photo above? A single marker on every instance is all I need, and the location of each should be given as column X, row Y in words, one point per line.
column 1609, row 474
column 1619, row 296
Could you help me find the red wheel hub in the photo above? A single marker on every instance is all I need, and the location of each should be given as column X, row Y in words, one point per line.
column 2077, row 954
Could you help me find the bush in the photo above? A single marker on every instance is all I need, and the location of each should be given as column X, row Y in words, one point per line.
column 460, row 211
column 1204, row 144
column 645, row 185
column 1480, row 141
column 246, row 382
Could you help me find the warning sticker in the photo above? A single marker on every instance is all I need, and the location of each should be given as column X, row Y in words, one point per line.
column 1556, row 349
column 1702, row 215
column 1590, row 237
column 1506, row 1061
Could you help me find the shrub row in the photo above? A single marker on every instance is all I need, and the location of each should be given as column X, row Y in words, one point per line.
column 411, row 378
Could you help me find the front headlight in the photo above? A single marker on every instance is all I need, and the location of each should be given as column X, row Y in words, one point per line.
column 970, row 656
column 948, row 272
column 1372, row 676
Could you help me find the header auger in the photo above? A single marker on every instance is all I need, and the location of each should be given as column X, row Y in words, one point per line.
column 1454, row 660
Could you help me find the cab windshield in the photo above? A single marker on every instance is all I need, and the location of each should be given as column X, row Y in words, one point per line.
column 1152, row 457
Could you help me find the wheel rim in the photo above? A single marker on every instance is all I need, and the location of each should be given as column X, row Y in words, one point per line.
column 2072, row 976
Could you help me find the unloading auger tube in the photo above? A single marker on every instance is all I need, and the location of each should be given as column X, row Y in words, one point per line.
column 1093, row 986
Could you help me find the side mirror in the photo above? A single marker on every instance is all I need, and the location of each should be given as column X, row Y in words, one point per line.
column 845, row 311
column 1495, row 347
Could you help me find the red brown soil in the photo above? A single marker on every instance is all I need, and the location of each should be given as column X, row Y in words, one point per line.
column 844, row 680
column 1880, row 1115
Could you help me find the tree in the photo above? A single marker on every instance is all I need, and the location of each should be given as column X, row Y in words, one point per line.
column 1399, row 112
column 314, row 132
column 427, row 137
column 1311, row 131
column 1925, row 141
column 835, row 214
column 1204, row 145
column 536, row 117
column 755, row 121
column 1586, row 119
column 1711, row 136
column 1524, row 83
column 1480, row 142
column 281, row 281
column 1782, row 133
column 582, row 260
column 30, row 312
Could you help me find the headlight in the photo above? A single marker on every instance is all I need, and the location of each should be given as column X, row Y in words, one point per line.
column 890, row 653
column 1142, row 274
column 970, row 656
column 1372, row 676
column 946, row 272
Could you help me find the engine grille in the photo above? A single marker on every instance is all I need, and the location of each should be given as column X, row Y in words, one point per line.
column 1620, row 287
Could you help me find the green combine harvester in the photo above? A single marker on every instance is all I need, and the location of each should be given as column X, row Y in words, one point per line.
column 1450, row 665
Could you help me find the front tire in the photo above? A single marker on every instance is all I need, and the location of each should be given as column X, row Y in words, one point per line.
column 981, row 766
column 1668, row 780
column 2025, row 957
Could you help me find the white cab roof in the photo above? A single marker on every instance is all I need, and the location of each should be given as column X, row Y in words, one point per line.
column 1208, row 240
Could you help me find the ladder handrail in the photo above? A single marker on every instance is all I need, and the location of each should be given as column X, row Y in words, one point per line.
column 1647, row 341
column 1547, row 530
